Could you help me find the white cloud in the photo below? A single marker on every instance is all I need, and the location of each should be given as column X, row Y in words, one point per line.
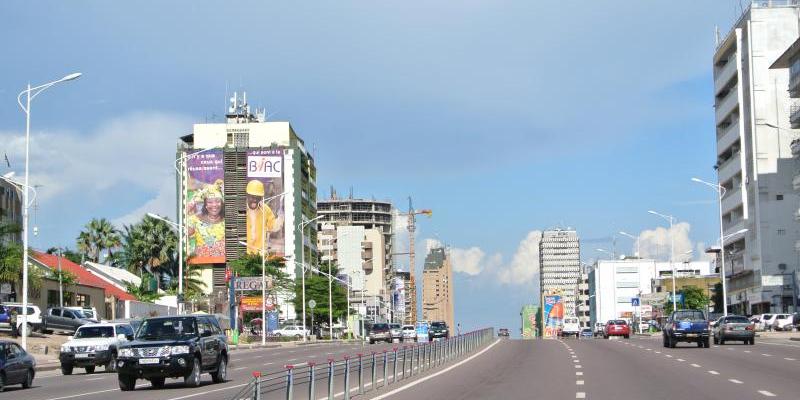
column 432, row 244
column 655, row 243
column 524, row 266
column 134, row 151
column 467, row 261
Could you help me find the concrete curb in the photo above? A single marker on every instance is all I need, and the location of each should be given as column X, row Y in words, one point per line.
column 47, row 366
column 795, row 339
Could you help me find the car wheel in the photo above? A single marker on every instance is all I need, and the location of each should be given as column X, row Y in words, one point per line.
column 28, row 382
column 706, row 343
column 700, row 343
column 90, row 369
column 298, row 337
column 716, row 341
column 222, row 370
column 277, row 335
column 752, row 341
column 664, row 341
column 2, row 381
column 66, row 369
column 126, row 382
column 30, row 327
column 157, row 383
column 193, row 379
column 112, row 363
column 627, row 336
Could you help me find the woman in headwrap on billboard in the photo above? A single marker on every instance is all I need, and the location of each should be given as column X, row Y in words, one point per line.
column 206, row 226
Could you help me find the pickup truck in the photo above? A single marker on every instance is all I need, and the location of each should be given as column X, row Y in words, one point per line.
column 64, row 319
column 686, row 326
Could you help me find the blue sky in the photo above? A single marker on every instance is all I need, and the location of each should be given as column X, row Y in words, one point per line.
column 504, row 117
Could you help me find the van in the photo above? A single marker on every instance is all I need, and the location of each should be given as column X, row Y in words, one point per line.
column 571, row 327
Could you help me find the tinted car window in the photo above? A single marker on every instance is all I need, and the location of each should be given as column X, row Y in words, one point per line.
column 167, row 327
column 2, row 310
column 690, row 315
column 378, row 327
column 738, row 320
column 55, row 312
column 438, row 325
column 125, row 330
column 620, row 322
column 15, row 349
column 95, row 332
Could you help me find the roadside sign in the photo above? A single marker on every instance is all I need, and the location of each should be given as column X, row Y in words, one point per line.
column 422, row 332
column 312, row 304
column 635, row 301
column 251, row 283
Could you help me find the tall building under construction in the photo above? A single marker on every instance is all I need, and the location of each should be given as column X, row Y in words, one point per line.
column 437, row 287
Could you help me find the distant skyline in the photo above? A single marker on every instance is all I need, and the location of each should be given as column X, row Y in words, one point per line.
column 503, row 118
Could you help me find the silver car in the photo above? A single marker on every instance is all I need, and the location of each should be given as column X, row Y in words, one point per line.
column 397, row 332
column 733, row 327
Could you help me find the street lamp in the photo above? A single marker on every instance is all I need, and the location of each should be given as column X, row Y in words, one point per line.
column 302, row 227
column 606, row 251
column 671, row 220
column 30, row 93
column 331, row 278
column 179, row 229
column 721, row 193
column 636, row 238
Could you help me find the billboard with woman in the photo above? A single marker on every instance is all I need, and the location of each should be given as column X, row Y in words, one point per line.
column 205, row 217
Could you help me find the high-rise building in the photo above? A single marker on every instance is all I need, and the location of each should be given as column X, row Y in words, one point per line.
column 229, row 168
column 402, row 298
column 437, row 287
column 753, row 157
column 560, row 266
column 583, row 309
column 10, row 209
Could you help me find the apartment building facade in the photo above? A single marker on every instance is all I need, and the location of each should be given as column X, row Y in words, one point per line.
column 560, row 266
column 754, row 158
column 437, row 287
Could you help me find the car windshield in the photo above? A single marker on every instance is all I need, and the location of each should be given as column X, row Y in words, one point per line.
column 94, row 332
column 689, row 316
column 408, row 328
column 380, row 327
column 395, row 326
column 163, row 328
column 737, row 320
column 439, row 325
column 619, row 322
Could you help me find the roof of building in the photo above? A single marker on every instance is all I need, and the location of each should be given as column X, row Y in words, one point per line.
column 113, row 275
column 82, row 274
column 434, row 259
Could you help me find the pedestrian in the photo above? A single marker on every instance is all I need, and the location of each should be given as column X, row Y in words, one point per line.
column 13, row 320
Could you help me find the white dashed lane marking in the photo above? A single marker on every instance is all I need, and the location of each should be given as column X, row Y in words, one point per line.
column 578, row 373
column 239, row 368
column 681, row 360
column 579, row 383
column 766, row 393
column 713, row 372
column 736, row 381
column 789, row 359
column 695, row 365
column 580, row 395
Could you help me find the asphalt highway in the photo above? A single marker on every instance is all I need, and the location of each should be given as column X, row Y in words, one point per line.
column 599, row 369
column 51, row 385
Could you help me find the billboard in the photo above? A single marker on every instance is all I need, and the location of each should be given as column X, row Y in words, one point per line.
column 399, row 296
column 265, row 222
column 528, row 315
column 205, row 217
column 553, row 315
column 251, row 303
column 252, row 283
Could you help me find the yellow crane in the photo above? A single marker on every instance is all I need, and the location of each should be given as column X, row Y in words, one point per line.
column 412, row 227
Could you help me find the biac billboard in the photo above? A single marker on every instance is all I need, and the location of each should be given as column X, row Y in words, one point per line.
column 265, row 222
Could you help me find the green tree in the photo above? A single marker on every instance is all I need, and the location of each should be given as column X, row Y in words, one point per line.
column 693, row 298
column 98, row 235
column 317, row 289
column 149, row 246
column 11, row 259
column 67, row 278
column 142, row 292
column 275, row 268
column 193, row 284
column 716, row 298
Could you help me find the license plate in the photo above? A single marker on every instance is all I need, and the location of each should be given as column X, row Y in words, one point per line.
column 691, row 335
column 148, row 361
column 739, row 328
column 81, row 355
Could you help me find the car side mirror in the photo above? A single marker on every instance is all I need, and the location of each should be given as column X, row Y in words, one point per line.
column 129, row 337
column 206, row 333
column 122, row 336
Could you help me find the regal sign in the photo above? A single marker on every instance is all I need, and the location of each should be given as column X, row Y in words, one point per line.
column 251, row 283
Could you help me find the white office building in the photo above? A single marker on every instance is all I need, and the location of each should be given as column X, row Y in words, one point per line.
column 614, row 283
column 754, row 159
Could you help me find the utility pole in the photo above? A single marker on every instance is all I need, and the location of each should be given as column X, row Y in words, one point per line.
column 412, row 227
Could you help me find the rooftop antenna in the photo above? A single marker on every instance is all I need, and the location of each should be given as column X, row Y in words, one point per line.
column 716, row 35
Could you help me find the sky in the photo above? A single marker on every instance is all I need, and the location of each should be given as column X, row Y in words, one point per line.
column 503, row 117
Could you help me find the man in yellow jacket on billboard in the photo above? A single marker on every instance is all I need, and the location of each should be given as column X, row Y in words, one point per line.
column 257, row 216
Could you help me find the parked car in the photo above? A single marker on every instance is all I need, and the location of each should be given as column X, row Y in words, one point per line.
column 617, row 327
column 34, row 316
column 503, row 332
column 64, row 319
column 409, row 333
column 397, row 332
column 380, row 332
column 783, row 322
column 686, row 326
column 17, row 367
column 733, row 327
column 174, row 347
column 438, row 330
column 766, row 321
column 88, row 312
column 292, row 330
column 134, row 323
column 587, row 332
column 94, row 345
column 571, row 327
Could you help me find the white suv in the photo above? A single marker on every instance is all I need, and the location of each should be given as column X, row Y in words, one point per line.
column 34, row 316
column 783, row 322
column 94, row 345
column 291, row 330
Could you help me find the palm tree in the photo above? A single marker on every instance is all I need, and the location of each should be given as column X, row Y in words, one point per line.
column 149, row 246
column 98, row 235
column 85, row 244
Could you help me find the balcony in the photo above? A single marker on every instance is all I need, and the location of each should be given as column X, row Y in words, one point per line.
column 729, row 136
column 795, row 146
column 735, row 226
column 725, row 74
column 796, row 182
column 728, row 104
column 732, row 200
column 730, row 167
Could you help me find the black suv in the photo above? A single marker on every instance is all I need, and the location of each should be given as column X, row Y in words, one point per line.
column 181, row 346
column 438, row 329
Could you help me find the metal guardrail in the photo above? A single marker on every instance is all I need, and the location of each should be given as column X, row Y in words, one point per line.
column 346, row 377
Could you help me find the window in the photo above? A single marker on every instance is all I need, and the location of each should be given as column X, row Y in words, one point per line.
column 82, row 300
column 124, row 330
column 56, row 312
column 779, row 197
column 52, row 298
column 781, row 232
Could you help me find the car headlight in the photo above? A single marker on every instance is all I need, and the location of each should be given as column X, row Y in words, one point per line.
column 179, row 350
column 125, row 353
column 101, row 347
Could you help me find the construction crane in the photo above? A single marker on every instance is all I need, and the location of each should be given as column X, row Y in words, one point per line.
column 412, row 227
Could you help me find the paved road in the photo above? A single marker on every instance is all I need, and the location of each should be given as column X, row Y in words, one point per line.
column 598, row 369
column 51, row 385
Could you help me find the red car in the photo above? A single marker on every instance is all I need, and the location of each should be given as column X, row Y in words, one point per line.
column 617, row 327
